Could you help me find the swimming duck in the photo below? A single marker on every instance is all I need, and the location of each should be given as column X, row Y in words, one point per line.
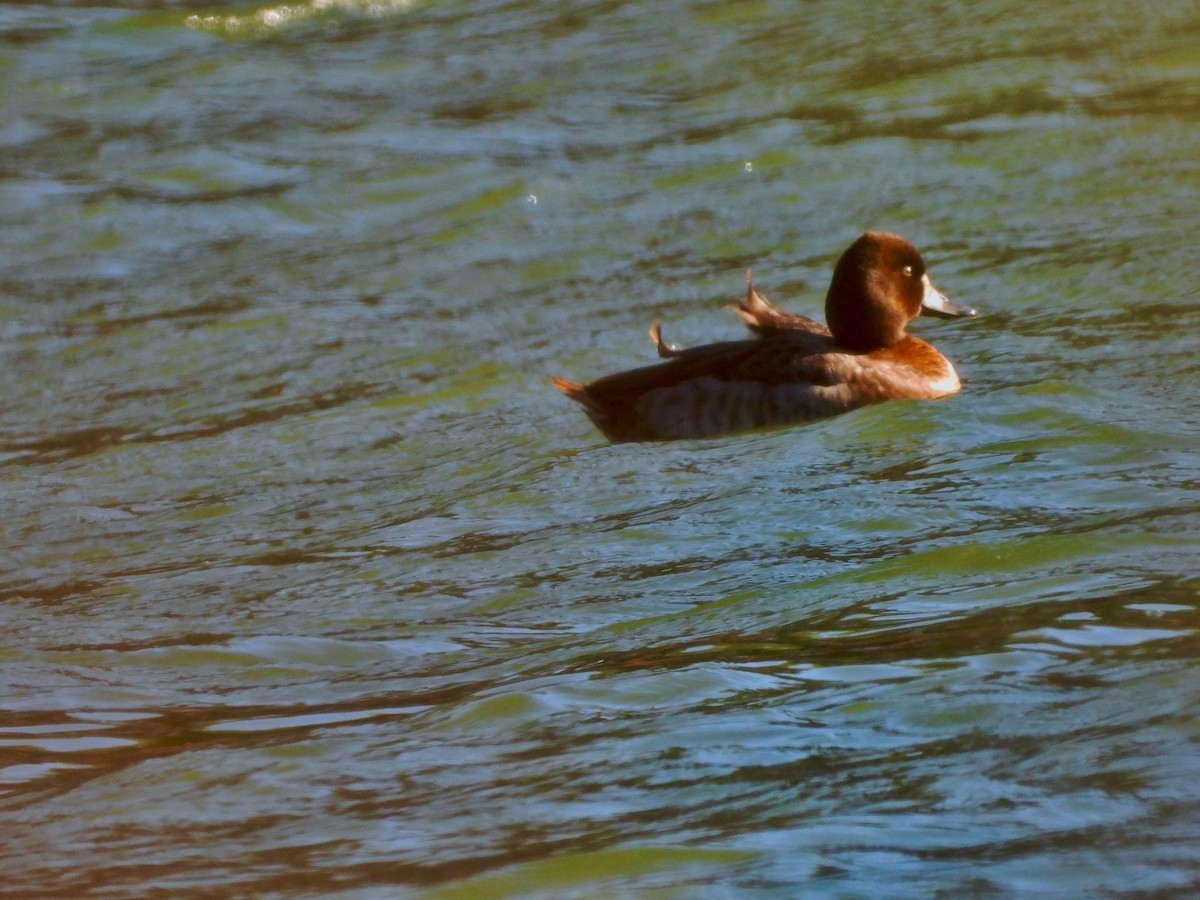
column 798, row 369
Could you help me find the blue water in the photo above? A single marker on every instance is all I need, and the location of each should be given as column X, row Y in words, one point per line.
column 312, row 583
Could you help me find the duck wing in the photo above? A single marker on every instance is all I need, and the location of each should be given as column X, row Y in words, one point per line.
column 764, row 318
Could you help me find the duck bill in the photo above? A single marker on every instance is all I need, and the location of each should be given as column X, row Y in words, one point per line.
column 934, row 303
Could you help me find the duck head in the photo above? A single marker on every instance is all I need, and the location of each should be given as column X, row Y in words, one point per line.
column 880, row 285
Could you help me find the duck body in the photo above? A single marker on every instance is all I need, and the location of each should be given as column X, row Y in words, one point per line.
column 797, row 370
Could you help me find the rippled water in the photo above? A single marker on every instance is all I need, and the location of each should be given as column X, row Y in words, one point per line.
column 312, row 583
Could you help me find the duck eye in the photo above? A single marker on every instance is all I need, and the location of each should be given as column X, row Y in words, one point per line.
column 908, row 270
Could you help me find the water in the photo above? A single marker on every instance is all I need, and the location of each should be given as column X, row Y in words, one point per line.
column 311, row 582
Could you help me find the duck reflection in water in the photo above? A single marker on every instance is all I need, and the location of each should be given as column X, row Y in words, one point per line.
column 797, row 369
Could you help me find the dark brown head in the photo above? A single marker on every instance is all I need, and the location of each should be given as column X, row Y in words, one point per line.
column 879, row 286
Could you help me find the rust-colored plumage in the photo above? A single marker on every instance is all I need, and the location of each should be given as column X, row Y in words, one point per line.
column 798, row 369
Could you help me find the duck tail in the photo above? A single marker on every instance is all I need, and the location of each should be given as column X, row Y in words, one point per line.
column 579, row 393
column 576, row 391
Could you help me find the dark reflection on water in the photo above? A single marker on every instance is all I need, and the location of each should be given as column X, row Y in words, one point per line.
column 312, row 584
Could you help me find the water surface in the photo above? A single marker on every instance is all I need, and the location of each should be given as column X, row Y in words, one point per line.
column 312, row 583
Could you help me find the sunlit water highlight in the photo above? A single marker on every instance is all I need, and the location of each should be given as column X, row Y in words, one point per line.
column 291, row 14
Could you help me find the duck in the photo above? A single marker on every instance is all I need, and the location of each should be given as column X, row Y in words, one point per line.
column 793, row 369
